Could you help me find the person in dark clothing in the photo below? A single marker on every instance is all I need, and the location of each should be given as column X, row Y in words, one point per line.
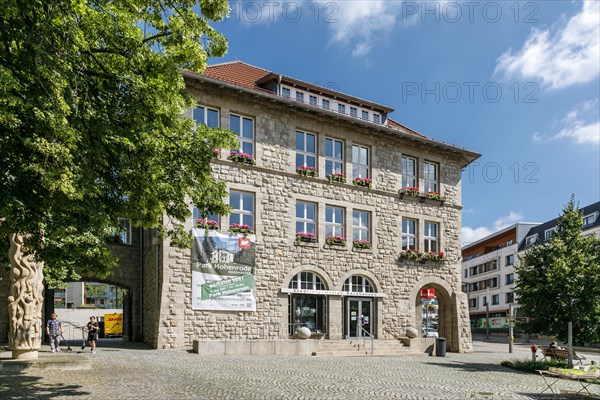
column 92, row 328
column 554, row 345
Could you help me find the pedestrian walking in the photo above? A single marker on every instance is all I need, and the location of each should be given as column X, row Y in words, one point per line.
column 54, row 331
column 92, row 328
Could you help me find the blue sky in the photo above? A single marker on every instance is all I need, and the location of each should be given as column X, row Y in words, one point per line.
column 517, row 82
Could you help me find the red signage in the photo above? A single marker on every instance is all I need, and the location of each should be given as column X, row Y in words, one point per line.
column 427, row 293
column 244, row 243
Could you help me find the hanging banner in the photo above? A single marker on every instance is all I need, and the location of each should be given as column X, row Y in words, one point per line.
column 222, row 271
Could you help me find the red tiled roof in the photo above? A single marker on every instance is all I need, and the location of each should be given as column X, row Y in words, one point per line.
column 246, row 75
column 395, row 125
column 237, row 73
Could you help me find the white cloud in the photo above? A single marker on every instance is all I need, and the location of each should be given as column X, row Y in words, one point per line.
column 362, row 23
column 581, row 124
column 564, row 57
column 470, row 235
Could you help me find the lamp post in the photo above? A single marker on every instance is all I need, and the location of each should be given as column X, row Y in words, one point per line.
column 487, row 313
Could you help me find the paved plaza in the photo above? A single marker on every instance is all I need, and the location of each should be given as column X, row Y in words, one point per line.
column 132, row 371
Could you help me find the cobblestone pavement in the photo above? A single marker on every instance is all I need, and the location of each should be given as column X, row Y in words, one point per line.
column 131, row 371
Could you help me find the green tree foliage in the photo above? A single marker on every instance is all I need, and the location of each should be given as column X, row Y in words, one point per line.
column 91, row 125
column 559, row 282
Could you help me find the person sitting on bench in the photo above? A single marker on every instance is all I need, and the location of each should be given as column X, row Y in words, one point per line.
column 554, row 345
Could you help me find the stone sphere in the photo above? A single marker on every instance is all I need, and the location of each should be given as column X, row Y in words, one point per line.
column 303, row 333
column 412, row 332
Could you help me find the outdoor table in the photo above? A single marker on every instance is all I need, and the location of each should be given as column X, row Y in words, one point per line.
column 552, row 377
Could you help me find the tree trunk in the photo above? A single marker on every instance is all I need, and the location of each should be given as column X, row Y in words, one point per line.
column 24, row 302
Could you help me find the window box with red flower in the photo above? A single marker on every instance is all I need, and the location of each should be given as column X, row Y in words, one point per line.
column 216, row 153
column 305, row 237
column 307, row 171
column 434, row 256
column 243, row 229
column 410, row 191
column 363, row 182
column 336, row 177
column 241, row 157
column 434, row 195
column 334, row 240
column 206, row 224
column 361, row 244
column 411, row 254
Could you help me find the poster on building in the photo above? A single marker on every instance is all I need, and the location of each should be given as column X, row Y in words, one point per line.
column 222, row 271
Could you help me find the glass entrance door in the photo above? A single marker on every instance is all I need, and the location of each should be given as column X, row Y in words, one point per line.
column 359, row 312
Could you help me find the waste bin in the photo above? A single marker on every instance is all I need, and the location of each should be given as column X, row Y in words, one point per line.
column 440, row 347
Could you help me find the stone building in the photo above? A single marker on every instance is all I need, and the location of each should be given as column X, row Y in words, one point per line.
column 348, row 248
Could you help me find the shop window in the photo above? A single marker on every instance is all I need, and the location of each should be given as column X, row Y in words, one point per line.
column 307, row 310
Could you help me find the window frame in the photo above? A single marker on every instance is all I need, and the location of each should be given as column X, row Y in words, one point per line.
column 332, row 160
column 357, row 165
column 300, row 96
column 286, row 92
column 242, row 211
column 313, row 100
column 205, row 115
column 125, row 231
column 241, row 138
column 430, row 185
column 408, row 235
column 334, row 227
column 304, row 153
column 304, row 219
column 361, row 228
column 428, row 239
column 511, row 280
column 325, row 104
column 409, row 180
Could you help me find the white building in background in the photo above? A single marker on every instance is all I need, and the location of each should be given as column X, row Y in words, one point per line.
column 488, row 266
column 77, row 294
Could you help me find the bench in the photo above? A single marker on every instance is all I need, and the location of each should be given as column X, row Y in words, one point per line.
column 560, row 354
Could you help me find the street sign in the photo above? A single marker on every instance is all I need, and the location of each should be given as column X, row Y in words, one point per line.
column 427, row 293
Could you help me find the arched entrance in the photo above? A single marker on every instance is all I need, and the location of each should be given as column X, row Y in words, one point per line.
column 448, row 304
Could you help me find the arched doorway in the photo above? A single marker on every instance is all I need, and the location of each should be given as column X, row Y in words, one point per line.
column 360, row 307
column 307, row 309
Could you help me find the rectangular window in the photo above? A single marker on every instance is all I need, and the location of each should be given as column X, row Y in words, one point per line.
column 206, row 116
column 409, row 234
column 549, row 232
column 242, row 204
column 341, row 109
column 376, row 118
column 529, row 240
column 474, row 270
column 334, row 156
column 325, row 104
column 306, row 217
column 510, row 279
column 431, row 237
column 244, row 129
column 365, row 115
column 589, row 219
column 353, row 112
column 510, row 297
column 466, row 273
column 473, row 303
column 334, row 221
column 509, row 242
column 510, row 259
column 299, row 96
column 409, row 172
column 361, row 225
column 360, row 161
column 495, row 299
column 285, row 92
column 485, row 301
column 312, row 100
column 430, row 175
column 125, row 230
column 306, row 149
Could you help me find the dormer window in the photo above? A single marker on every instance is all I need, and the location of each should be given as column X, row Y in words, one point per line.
column 341, row 108
column 299, row 96
column 285, row 92
column 529, row 240
column 376, row 118
column 589, row 220
column 549, row 232
column 353, row 112
column 365, row 115
column 312, row 100
column 325, row 104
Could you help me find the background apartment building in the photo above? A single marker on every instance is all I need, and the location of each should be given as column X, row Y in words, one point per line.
column 488, row 266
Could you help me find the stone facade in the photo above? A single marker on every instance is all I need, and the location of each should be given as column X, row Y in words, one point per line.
column 276, row 187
